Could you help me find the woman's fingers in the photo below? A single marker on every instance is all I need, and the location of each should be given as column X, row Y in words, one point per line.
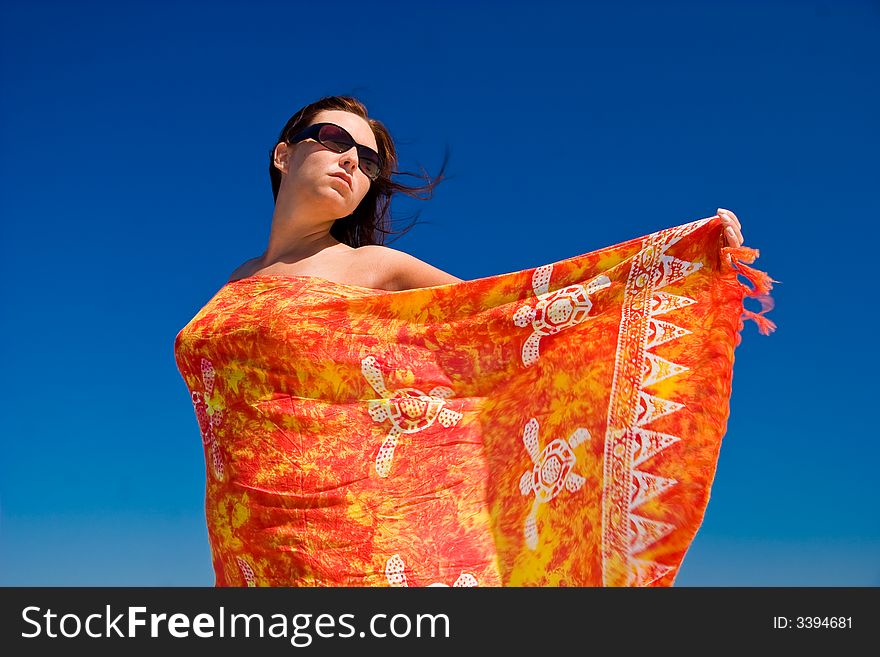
column 729, row 215
column 732, row 238
column 732, row 227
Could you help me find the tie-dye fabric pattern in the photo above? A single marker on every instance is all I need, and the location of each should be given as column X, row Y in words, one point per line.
column 554, row 426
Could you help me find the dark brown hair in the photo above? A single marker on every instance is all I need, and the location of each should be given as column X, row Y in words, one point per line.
column 371, row 220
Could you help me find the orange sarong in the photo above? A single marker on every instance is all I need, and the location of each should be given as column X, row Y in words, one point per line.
column 553, row 426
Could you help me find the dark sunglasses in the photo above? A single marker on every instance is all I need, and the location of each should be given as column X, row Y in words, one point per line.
column 337, row 139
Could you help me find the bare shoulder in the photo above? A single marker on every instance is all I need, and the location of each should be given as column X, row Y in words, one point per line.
column 394, row 269
column 243, row 270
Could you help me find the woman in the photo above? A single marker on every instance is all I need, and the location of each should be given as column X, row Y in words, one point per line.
column 371, row 420
column 329, row 214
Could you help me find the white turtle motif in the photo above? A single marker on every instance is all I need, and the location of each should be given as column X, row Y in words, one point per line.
column 394, row 573
column 209, row 417
column 554, row 310
column 409, row 410
column 246, row 571
column 551, row 471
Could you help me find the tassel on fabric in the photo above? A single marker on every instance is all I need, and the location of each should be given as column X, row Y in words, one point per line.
column 737, row 257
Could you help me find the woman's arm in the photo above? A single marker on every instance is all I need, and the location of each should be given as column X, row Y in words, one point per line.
column 397, row 270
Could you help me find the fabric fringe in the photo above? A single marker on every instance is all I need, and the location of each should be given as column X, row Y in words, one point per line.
column 737, row 257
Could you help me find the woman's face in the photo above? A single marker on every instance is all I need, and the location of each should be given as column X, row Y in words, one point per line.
column 308, row 168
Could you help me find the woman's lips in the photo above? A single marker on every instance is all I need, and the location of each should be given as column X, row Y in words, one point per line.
column 335, row 175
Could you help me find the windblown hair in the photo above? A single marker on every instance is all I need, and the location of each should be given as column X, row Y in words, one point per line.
column 371, row 220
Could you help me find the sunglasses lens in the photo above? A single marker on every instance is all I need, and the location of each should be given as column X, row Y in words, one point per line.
column 336, row 138
column 370, row 167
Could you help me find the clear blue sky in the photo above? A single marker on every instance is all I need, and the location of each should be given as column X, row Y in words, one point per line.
column 134, row 179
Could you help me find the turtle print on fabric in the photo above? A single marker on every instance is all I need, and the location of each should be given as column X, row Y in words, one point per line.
column 395, row 574
column 209, row 417
column 246, row 571
column 554, row 311
column 552, row 470
column 344, row 424
column 409, row 410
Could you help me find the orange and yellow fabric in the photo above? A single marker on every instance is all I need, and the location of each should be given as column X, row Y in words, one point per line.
column 556, row 426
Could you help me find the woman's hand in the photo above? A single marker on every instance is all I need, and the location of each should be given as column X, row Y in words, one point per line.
column 732, row 227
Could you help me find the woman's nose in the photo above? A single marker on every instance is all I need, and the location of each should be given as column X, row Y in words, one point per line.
column 349, row 159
